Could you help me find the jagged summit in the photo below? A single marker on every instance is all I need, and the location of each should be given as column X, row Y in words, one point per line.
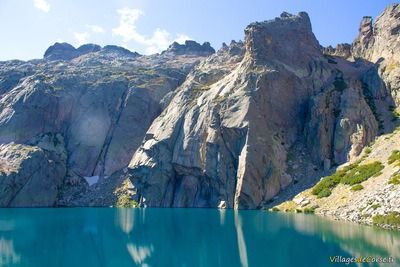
column 65, row 51
column 190, row 47
column 288, row 38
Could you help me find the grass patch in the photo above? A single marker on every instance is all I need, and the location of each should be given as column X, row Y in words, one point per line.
column 395, row 179
column 375, row 206
column 392, row 219
column 357, row 187
column 362, row 173
column 394, row 157
column 326, row 192
column 351, row 175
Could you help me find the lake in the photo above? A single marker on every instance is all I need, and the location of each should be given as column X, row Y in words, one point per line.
column 183, row 237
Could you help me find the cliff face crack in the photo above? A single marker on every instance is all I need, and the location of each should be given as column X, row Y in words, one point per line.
column 100, row 162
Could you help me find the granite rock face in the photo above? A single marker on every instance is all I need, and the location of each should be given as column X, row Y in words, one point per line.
column 226, row 135
column 341, row 50
column 190, row 47
column 195, row 127
column 378, row 42
column 30, row 175
column 101, row 101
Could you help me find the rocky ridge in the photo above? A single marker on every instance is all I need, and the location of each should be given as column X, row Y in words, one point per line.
column 248, row 126
column 100, row 101
column 225, row 138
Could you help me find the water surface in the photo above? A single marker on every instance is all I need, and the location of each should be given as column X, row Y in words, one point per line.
column 183, row 237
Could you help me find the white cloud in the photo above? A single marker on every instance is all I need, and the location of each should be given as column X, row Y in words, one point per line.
column 181, row 38
column 81, row 37
column 42, row 5
column 95, row 28
column 158, row 41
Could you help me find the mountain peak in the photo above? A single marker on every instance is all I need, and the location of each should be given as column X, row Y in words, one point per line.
column 288, row 38
column 379, row 38
column 66, row 51
column 190, row 47
column 60, row 51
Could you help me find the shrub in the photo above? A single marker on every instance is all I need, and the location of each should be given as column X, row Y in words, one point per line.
column 395, row 179
column 395, row 115
column 275, row 209
column 125, row 201
column 392, row 219
column 309, row 210
column 357, row 187
column 362, row 173
column 375, row 206
column 324, row 193
column 351, row 175
column 328, row 182
column 340, row 84
column 368, row 151
column 394, row 157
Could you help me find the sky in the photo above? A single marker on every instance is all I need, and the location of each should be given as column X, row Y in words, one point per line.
column 29, row 27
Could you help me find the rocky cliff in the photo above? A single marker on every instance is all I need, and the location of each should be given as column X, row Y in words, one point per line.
column 249, row 125
column 238, row 122
column 99, row 101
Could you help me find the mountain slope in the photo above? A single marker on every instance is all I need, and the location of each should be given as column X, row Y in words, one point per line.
column 250, row 126
column 100, row 101
column 225, row 138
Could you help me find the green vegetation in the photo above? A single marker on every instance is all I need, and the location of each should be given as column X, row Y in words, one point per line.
column 392, row 219
column 309, row 210
column 326, row 192
column 275, row 209
column 357, row 187
column 350, row 175
column 395, row 113
column 125, row 201
column 362, row 173
column 395, row 157
column 395, row 179
column 340, row 84
column 368, row 150
column 375, row 206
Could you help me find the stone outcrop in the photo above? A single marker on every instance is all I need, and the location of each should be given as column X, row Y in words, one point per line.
column 227, row 133
column 65, row 51
column 378, row 42
column 190, row 47
column 341, row 50
column 232, row 128
column 100, row 100
column 30, row 175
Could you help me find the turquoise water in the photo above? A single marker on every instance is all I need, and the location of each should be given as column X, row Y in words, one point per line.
column 182, row 237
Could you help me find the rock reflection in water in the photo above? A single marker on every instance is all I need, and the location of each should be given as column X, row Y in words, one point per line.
column 181, row 237
column 354, row 238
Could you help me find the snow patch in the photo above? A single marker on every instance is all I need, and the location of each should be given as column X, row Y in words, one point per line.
column 91, row 180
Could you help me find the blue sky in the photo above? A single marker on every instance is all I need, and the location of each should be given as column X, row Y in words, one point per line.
column 28, row 27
